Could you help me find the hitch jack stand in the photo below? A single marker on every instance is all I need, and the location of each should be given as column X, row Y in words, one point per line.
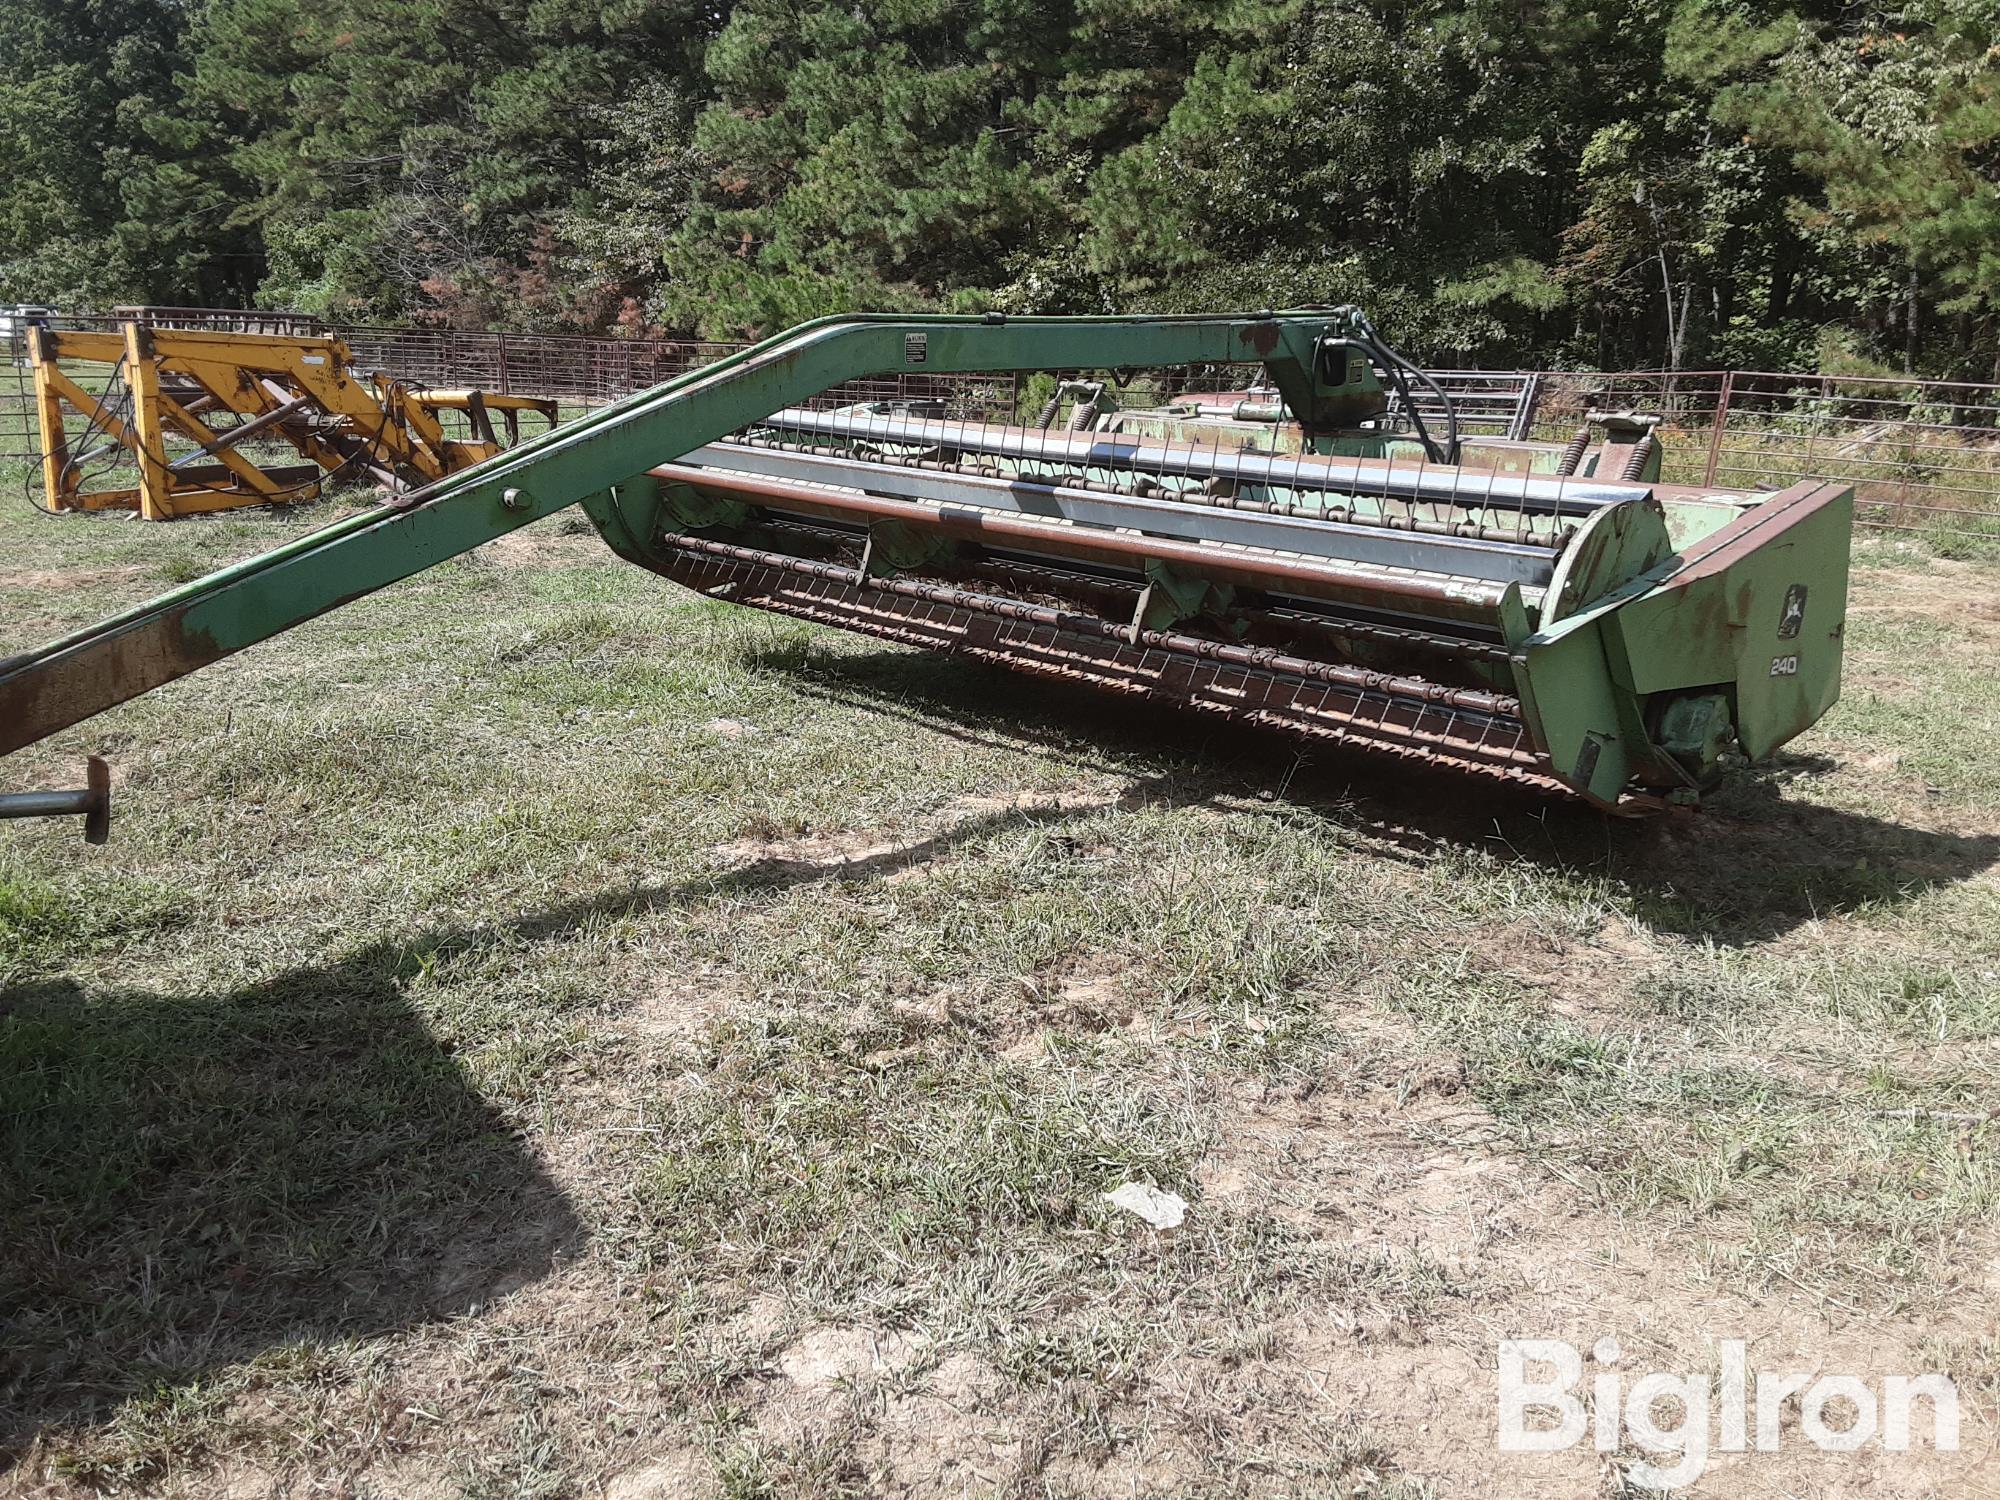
column 91, row 802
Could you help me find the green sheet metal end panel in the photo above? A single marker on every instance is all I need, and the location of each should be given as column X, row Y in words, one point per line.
column 1758, row 611
column 1573, row 709
column 1754, row 616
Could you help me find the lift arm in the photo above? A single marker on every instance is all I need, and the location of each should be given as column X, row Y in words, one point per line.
column 131, row 653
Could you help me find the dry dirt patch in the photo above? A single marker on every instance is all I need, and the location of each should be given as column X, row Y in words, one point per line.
column 67, row 580
column 1956, row 594
column 1529, row 1257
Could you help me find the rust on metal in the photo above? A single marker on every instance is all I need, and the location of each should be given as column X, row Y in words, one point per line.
column 1261, row 337
column 1524, row 533
column 1269, row 570
column 1451, row 727
column 1736, row 542
column 101, row 673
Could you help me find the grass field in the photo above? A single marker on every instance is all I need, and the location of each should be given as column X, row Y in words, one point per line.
column 538, row 1034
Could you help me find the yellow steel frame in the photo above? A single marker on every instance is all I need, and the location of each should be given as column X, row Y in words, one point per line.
column 302, row 390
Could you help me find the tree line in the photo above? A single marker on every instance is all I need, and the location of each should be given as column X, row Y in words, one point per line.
column 1573, row 182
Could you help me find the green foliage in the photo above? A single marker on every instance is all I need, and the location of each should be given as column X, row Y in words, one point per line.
column 1899, row 119
column 918, row 154
column 410, row 156
column 1688, row 181
column 101, row 198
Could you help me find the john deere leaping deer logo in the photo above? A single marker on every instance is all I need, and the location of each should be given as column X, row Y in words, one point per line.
column 1794, row 616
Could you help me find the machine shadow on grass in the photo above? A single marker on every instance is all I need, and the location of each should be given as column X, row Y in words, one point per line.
column 1752, row 865
column 188, row 1183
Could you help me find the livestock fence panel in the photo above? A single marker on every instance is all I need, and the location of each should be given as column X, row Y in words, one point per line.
column 1923, row 456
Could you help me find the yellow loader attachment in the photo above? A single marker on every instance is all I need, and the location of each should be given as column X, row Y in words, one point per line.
column 184, row 420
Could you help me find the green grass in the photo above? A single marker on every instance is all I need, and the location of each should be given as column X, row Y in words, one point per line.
column 523, row 1016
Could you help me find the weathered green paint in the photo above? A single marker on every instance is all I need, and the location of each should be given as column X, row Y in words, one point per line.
column 1617, row 543
column 1573, row 709
column 1697, row 731
column 1710, row 619
column 699, row 510
column 1723, row 618
column 1175, row 595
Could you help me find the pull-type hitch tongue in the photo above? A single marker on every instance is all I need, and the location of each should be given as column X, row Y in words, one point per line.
column 91, row 802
